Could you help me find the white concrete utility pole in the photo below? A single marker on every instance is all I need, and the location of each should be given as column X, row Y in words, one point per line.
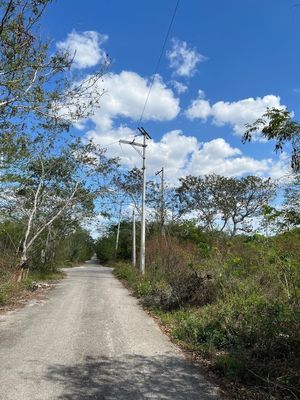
column 133, row 239
column 162, row 201
column 143, row 218
column 118, row 230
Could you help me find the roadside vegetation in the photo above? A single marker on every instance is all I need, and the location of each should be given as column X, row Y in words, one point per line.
column 230, row 297
column 49, row 179
column 46, row 259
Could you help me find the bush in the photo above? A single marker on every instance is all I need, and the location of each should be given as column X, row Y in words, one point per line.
column 251, row 324
column 6, row 290
column 126, row 272
column 143, row 288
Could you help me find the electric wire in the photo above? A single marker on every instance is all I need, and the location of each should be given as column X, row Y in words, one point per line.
column 158, row 62
column 111, row 144
column 139, row 152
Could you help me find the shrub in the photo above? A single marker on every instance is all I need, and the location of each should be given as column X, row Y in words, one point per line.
column 143, row 288
column 5, row 292
column 126, row 272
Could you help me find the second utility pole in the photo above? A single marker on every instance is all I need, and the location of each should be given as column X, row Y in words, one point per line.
column 143, row 218
column 118, row 231
column 162, row 201
column 133, row 239
column 143, row 221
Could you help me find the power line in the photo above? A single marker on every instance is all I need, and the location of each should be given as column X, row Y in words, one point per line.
column 159, row 60
column 110, row 144
column 122, row 149
column 139, row 153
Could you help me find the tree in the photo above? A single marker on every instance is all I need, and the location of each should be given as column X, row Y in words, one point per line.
column 52, row 182
column 224, row 203
column 277, row 124
column 196, row 194
column 129, row 186
column 76, row 246
column 38, row 91
column 291, row 209
column 105, row 245
column 46, row 176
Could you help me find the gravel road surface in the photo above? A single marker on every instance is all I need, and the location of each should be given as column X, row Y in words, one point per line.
column 90, row 339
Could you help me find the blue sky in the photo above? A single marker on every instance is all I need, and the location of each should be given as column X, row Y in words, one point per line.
column 224, row 63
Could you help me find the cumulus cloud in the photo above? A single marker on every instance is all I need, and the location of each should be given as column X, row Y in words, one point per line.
column 85, row 47
column 183, row 155
column 179, row 87
column 182, row 59
column 172, row 151
column 125, row 95
column 237, row 113
column 199, row 109
column 218, row 156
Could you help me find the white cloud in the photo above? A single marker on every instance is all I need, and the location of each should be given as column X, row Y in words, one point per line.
column 85, row 47
column 217, row 156
column 182, row 59
column 244, row 111
column 200, row 109
column 173, row 152
column 219, row 148
column 179, row 87
column 183, row 155
column 237, row 113
column 125, row 95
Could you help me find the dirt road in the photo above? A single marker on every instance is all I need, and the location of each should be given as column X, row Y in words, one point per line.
column 90, row 339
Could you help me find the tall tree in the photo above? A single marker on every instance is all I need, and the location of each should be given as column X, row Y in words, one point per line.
column 128, row 185
column 224, row 203
column 38, row 90
column 52, row 182
column 291, row 208
column 278, row 125
column 196, row 195
column 46, row 176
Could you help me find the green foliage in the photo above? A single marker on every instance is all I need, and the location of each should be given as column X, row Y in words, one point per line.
column 46, row 257
column 277, row 124
column 44, row 276
column 11, row 291
column 255, row 325
column 143, row 288
column 126, row 272
column 291, row 212
column 105, row 246
column 55, row 248
column 238, row 305
column 76, row 247
column 232, row 367
column 6, row 291
column 49, row 179
column 224, row 203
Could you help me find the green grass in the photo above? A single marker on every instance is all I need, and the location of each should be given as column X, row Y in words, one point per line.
column 9, row 290
column 45, row 275
column 6, row 292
